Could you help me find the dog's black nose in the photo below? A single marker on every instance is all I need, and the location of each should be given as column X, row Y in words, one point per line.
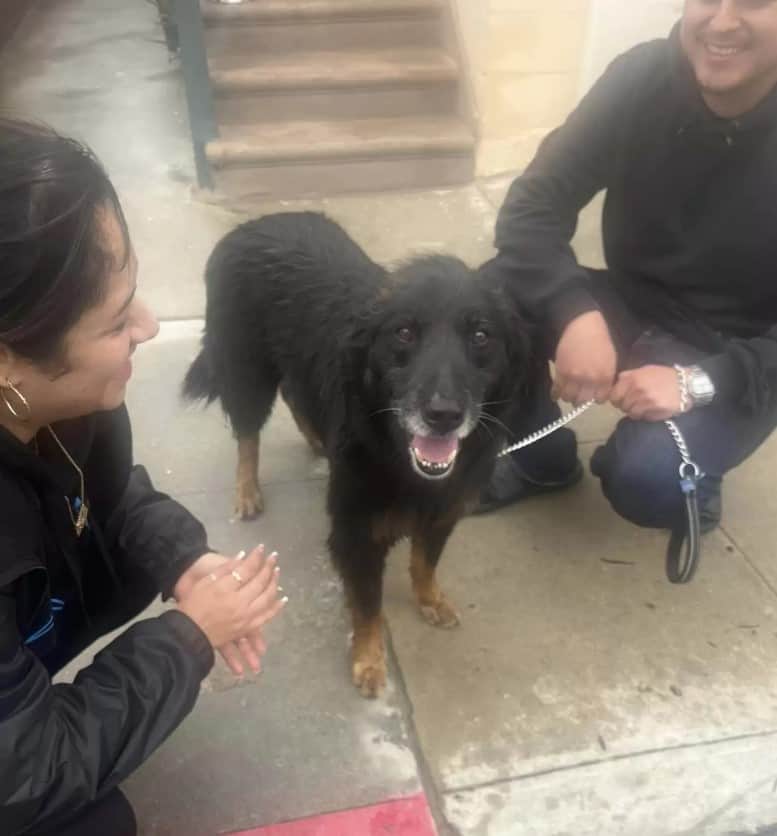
column 443, row 415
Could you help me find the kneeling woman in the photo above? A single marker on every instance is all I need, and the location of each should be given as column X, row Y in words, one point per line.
column 85, row 540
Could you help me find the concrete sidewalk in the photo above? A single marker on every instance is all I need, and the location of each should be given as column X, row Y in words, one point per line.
column 582, row 694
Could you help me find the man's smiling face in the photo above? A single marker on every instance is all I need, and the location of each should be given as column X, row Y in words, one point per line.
column 732, row 47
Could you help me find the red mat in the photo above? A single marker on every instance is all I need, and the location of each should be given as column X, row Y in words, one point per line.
column 403, row 817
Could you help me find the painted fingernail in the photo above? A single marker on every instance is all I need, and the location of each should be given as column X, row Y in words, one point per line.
column 241, row 555
column 277, row 570
column 280, row 589
column 274, row 555
column 285, row 599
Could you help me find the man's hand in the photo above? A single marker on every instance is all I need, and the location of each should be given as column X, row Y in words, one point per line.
column 585, row 361
column 650, row 393
column 248, row 650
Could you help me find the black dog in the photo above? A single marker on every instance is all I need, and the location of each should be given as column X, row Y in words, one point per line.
column 403, row 379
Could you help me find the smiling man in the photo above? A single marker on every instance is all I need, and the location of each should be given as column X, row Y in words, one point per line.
column 682, row 135
column 732, row 47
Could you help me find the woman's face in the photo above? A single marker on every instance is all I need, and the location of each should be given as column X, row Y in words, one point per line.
column 97, row 349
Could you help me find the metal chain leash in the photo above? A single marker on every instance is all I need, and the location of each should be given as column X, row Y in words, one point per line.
column 688, row 466
column 683, row 551
column 547, row 430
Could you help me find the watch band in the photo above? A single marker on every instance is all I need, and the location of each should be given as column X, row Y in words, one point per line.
column 682, row 383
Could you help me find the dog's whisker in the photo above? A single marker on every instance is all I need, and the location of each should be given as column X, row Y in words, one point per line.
column 482, row 424
column 393, row 409
column 494, row 420
column 493, row 403
column 483, row 421
column 503, row 428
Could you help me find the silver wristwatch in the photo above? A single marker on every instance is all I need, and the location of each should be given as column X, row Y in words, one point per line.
column 701, row 389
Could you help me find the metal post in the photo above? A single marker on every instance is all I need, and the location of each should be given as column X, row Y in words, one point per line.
column 194, row 64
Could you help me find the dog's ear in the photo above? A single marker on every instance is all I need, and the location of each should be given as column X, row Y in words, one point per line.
column 523, row 339
column 520, row 333
column 358, row 339
column 356, row 378
column 355, row 348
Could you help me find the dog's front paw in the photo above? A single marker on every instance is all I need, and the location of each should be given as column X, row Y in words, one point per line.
column 368, row 655
column 440, row 613
column 248, row 502
column 369, row 676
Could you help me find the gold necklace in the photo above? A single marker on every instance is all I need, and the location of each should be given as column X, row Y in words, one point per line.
column 79, row 520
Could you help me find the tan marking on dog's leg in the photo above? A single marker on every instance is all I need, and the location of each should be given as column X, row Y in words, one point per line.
column 248, row 499
column 368, row 655
column 307, row 431
column 435, row 607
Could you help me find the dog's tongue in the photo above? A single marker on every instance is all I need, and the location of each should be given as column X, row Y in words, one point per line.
column 435, row 449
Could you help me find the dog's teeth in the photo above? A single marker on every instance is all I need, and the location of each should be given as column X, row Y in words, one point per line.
column 433, row 468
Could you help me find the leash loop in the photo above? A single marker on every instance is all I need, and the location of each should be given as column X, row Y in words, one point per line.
column 684, row 549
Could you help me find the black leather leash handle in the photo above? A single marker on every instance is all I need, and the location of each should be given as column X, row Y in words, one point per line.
column 684, row 549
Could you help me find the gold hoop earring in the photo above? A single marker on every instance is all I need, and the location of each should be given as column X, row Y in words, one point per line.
column 22, row 400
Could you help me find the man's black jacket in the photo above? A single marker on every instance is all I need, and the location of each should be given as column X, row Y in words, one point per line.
column 689, row 224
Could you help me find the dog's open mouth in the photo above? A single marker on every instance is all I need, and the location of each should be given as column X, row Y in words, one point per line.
column 433, row 456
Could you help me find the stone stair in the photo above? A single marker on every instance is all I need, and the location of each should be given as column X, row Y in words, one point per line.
column 332, row 96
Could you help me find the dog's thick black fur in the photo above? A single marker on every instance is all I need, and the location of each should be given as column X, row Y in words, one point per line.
column 405, row 379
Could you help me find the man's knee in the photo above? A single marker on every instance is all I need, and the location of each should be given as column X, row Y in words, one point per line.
column 638, row 470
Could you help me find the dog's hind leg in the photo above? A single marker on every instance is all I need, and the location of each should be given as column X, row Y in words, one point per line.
column 247, row 397
column 303, row 425
column 360, row 562
column 426, row 548
column 248, row 494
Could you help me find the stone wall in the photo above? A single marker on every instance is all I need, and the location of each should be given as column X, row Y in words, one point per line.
column 616, row 25
column 530, row 60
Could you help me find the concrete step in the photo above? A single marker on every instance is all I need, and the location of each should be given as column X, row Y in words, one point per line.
column 335, row 85
column 291, row 159
column 302, row 11
column 357, row 138
column 334, row 69
column 280, row 26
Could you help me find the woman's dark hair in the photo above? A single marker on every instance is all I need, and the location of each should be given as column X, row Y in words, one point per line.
column 53, row 258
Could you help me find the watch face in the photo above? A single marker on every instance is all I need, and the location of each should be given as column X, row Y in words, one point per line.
column 700, row 386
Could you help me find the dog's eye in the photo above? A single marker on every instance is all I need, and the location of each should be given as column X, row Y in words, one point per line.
column 480, row 338
column 405, row 335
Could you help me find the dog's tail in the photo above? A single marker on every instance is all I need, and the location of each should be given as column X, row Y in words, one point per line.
column 201, row 381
